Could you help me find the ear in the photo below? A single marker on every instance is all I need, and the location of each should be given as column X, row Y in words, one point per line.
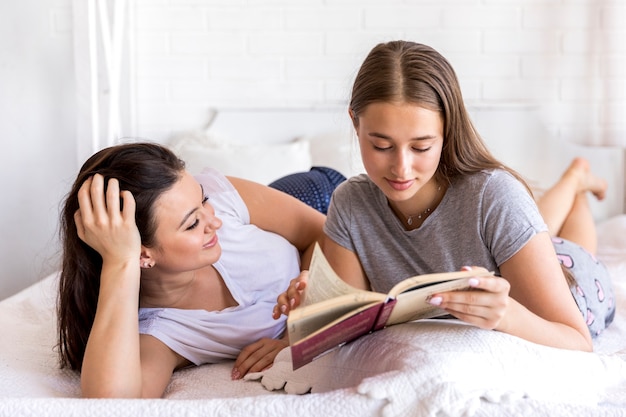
column 146, row 260
column 355, row 120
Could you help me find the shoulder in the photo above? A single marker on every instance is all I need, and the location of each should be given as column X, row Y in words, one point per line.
column 357, row 193
column 357, row 185
column 213, row 181
column 501, row 195
column 493, row 193
column 491, row 177
column 223, row 196
column 493, row 182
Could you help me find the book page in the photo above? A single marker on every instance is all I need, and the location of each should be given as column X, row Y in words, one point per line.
column 412, row 304
column 419, row 281
column 323, row 282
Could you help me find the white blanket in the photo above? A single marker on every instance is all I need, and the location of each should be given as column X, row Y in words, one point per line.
column 429, row 368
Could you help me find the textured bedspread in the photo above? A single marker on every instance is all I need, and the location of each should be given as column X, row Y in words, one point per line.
column 428, row 368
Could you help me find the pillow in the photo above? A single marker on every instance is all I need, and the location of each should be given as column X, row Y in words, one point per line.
column 612, row 239
column 262, row 163
column 446, row 367
column 338, row 150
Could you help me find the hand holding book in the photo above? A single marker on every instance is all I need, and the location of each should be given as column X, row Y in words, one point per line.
column 333, row 313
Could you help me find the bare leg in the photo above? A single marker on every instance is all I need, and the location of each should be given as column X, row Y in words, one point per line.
column 565, row 207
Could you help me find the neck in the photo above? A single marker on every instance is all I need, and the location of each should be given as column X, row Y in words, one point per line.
column 414, row 211
column 166, row 290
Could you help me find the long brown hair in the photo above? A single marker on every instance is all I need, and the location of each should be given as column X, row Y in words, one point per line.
column 409, row 72
column 144, row 169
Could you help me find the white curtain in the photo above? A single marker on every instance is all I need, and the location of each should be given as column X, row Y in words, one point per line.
column 102, row 51
column 608, row 43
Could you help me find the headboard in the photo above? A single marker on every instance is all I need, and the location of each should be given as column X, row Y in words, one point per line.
column 262, row 143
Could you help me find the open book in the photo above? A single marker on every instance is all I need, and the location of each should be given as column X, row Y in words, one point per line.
column 333, row 312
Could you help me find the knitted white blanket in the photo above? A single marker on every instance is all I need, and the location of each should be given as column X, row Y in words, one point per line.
column 429, row 368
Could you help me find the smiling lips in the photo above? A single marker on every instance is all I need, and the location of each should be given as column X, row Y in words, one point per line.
column 400, row 185
column 211, row 242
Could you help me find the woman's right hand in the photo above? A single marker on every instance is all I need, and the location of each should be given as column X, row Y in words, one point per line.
column 112, row 365
column 103, row 225
column 291, row 298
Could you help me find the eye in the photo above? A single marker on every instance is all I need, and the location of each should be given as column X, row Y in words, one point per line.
column 381, row 148
column 422, row 150
column 205, row 199
column 194, row 225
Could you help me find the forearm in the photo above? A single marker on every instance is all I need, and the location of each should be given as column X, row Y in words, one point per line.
column 305, row 256
column 521, row 322
column 111, row 366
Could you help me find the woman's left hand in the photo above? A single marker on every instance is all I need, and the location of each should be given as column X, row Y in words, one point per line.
column 258, row 356
column 484, row 306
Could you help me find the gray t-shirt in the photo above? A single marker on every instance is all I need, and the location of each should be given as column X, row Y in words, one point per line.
column 483, row 220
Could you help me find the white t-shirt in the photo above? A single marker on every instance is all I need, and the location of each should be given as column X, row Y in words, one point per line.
column 255, row 265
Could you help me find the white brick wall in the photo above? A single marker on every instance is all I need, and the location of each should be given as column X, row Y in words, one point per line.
column 192, row 55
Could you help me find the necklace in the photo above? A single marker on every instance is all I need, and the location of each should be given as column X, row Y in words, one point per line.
column 425, row 213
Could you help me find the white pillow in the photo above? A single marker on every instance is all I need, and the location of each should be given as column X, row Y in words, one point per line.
column 612, row 238
column 446, row 367
column 338, row 150
column 262, row 163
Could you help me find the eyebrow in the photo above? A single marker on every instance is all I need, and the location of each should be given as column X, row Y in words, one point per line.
column 193, row 210
column 383, row 136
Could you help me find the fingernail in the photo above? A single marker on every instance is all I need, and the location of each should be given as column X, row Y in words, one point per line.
column 297, row 285
column 466, row 268
column 473, row 282
column 283, row 308
column 235, row 374
column 292, row 302
column 435, row 301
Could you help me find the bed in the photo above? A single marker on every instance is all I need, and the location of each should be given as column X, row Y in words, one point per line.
column 426, row 368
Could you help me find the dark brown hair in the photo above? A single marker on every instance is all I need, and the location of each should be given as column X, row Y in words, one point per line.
column 409, row 72
column 144, row 169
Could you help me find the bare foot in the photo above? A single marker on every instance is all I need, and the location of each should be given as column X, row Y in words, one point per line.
column 587, row 181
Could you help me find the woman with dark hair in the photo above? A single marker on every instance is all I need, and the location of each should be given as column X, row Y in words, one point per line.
column 435, row 199
column 162, row 270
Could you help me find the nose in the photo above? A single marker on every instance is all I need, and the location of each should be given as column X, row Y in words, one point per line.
column 212, row 221
column 402, row 163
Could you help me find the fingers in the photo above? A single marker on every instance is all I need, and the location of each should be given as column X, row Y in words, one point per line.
column 257, row 356
column 101, row 224
column 113, row 197
column 291, row 298
column 96, row 205
column 129, row 206
column 484, row 305
column 84, row 200
column 96, row 195
column 80, row 228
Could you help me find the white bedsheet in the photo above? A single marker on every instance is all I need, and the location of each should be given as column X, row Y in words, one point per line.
column 428, row 368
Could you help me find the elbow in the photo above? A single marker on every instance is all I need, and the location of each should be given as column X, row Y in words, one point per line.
column 102, row 392
column 108, row 390
column 584, row 342
column 106, row 393
column 587, row 342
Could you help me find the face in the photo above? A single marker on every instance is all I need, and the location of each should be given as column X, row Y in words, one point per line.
column 186, row 232
column 401, row 147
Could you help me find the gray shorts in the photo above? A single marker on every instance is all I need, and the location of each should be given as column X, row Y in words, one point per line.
column 593, row 291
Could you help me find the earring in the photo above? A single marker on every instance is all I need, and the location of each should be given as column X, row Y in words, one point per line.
column 146, row 265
